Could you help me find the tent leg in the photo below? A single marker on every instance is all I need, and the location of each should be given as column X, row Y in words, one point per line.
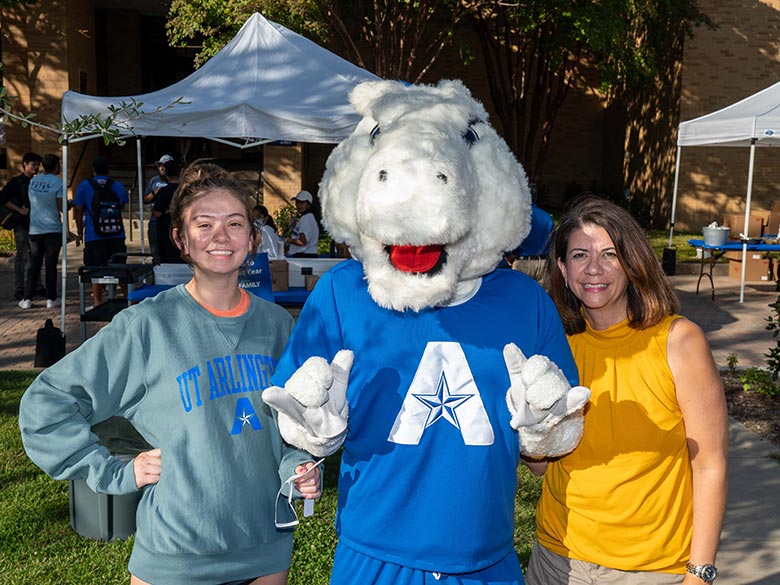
column 65, row 226
column 747, row 218
column 674, row 193
column 140, row 183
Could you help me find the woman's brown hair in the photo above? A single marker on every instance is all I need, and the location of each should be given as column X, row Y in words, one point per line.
column 650, row 294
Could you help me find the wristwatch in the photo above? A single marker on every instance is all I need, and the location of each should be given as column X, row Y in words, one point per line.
column 706, row 573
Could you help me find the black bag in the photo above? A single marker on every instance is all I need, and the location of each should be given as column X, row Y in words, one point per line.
column 49, row 345
column 9, row 219
column 106, row 210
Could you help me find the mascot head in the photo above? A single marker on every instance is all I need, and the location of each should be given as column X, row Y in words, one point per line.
column 425, row 193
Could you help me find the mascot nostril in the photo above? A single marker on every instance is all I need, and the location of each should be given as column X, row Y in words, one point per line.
column 439, row 389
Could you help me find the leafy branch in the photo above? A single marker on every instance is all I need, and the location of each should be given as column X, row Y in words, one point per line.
column 110, row 127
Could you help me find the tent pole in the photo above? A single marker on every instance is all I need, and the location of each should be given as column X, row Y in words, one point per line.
column 65, row 226
column 747, row 218
column 141, row 188
column 674, row 193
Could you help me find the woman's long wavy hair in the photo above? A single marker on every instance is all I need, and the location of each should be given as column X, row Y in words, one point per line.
column 650, row 294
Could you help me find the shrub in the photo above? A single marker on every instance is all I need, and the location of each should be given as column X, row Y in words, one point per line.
column 761, row 381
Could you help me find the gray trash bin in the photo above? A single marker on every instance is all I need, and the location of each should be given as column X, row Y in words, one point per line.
column 669, row 260
column 106, row 516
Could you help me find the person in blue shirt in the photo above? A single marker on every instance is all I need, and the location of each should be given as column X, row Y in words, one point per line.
column 530, row 256
column 97, row 249
column 45, row 236
column 435, row 371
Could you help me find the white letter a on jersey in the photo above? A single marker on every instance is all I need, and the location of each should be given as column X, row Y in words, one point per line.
column 443, row 389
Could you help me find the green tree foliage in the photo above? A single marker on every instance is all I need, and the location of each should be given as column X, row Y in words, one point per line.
column 531, row 51
column 396, row 39
column 212, row 23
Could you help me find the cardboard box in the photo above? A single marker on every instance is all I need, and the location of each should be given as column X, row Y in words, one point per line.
column 309, row 280
column 172, row 273
column 772, row 227
column 775, row 207
column 279, row 275
column 736, row 221
column 302, row 267
column 758, row 268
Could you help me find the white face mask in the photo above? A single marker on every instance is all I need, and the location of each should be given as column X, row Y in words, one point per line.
column 308, row 505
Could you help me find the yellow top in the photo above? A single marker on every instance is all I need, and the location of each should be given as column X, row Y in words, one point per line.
column 623, row 498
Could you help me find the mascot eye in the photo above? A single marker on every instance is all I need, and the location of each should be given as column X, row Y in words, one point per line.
column 374, row 133
column 470, row 136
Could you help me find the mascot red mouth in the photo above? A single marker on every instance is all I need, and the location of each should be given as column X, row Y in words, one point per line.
column 417, row 259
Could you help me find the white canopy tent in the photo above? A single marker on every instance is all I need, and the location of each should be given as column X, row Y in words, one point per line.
column 268, row 83
column 753, row 121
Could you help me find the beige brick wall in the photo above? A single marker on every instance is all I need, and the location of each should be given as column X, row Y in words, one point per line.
column 282, row 177
column 15, row 74
column 576, row 150
column 44, row 48
column 720, row 67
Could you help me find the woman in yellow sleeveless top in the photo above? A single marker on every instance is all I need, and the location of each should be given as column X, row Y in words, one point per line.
column 642, row 498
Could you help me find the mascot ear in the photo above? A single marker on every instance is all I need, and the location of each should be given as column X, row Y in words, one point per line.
column 454, row 88
column 367, row 93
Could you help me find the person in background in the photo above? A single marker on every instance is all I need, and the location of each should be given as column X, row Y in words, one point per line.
column 210, row 510
column 97, row 248
column 530, row 256
column 166, row 250
column 45, row 194
column 306, row 230
column 14, row 196
column 642, row 498
column 270, row 242
column 150, row 193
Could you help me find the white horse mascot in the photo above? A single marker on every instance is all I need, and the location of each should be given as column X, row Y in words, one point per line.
column 413, row 354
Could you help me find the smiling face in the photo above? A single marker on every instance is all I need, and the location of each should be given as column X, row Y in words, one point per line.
column 216, row 233
column 595, row 276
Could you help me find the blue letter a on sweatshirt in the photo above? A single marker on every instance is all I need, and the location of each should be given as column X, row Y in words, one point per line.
column 245, row 415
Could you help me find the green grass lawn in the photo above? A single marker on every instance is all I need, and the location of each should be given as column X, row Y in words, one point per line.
column 38, row 546
column 659, row 239
column 7, row 245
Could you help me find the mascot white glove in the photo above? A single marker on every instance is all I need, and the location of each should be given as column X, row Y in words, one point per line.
column 546, row 411
column 312, row 406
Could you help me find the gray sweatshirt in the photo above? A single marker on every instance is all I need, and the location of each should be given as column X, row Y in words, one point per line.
column 190, row 382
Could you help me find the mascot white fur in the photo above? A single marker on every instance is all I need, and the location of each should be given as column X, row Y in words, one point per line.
column 440, row 400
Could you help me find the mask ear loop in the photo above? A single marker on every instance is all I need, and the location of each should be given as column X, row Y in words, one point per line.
column 308, row 510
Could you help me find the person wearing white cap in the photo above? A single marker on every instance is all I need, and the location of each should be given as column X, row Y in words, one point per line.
column 306, row 230
column 154, row 184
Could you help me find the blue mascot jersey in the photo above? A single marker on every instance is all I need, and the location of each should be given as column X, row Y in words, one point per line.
column 428, row 472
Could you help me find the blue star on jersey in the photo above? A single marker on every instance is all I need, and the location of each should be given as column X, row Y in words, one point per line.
column 429, row 398
column 442, row 403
